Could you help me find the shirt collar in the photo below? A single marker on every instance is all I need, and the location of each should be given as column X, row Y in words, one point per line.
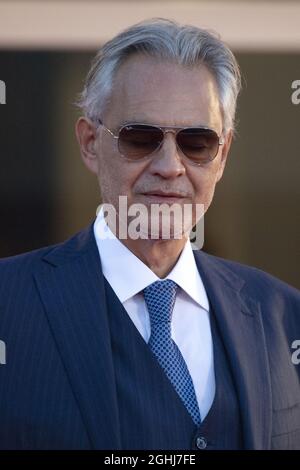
column 128, row 275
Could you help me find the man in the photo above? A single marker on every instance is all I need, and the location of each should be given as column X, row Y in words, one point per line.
column 139, row 342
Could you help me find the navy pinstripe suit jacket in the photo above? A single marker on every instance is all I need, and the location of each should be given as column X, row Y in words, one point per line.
column 57, row 388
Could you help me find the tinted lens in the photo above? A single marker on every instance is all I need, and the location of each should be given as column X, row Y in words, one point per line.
column 200, row 145
column 138, row 141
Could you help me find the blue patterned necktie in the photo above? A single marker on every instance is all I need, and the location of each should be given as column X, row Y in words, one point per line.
column 160, row 299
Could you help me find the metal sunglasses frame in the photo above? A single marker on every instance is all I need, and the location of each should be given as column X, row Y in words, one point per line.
column 165, row 129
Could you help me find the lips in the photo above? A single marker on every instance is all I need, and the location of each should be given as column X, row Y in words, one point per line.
column 163, row 194
column 160, row 197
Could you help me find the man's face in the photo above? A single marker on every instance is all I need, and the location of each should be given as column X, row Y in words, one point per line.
column 152, row 92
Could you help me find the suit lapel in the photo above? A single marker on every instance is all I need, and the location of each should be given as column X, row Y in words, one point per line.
column 71, row 286
column 241, row 328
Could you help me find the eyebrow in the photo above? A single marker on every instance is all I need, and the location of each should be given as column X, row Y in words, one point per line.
column 146, row 121
column 131, row 121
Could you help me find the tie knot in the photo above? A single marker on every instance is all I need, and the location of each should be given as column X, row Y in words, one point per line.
column 160, row 299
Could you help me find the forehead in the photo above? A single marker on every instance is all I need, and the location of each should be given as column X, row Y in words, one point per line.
column 151, row 90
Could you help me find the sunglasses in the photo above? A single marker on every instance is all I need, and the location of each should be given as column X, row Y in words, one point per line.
column 137, row 141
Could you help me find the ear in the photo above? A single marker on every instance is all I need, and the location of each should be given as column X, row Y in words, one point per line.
column 225, row 151
column 86, row 134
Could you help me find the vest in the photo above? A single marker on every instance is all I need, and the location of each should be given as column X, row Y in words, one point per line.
column 151, row 414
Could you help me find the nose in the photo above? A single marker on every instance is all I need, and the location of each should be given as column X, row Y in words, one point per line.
column 167, row 162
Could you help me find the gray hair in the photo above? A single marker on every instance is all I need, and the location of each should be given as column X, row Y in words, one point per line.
column 187, row 45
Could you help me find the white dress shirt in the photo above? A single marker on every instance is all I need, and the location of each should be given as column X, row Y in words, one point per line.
column 190, row 326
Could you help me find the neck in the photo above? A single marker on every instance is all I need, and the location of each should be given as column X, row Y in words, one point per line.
column 159, row 255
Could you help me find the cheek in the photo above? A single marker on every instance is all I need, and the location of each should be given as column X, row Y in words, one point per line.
column 116, row 178
column 204, row 185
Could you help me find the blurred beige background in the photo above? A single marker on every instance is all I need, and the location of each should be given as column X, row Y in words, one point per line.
column 46, row 194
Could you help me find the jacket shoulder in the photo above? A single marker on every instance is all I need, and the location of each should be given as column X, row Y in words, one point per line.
column 24, row 260
column 257, row 282
column 73, row 246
